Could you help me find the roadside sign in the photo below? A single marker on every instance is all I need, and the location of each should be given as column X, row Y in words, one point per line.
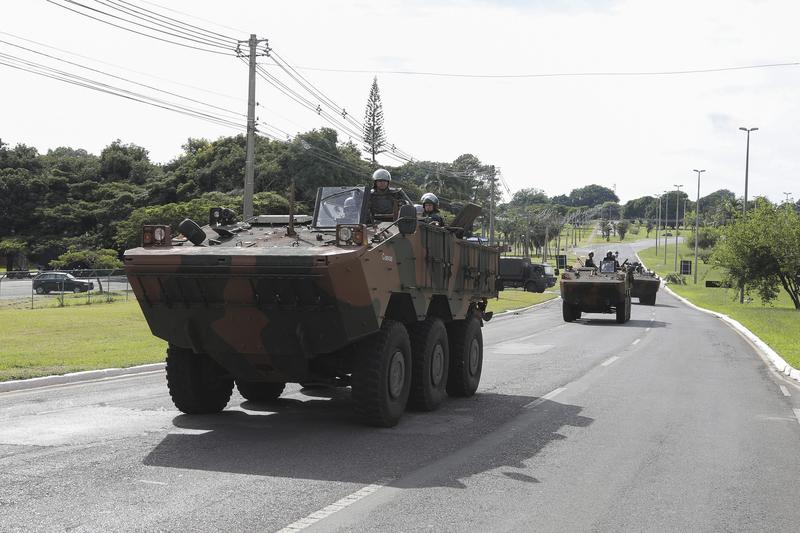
column 561, row 261
column 686, row 267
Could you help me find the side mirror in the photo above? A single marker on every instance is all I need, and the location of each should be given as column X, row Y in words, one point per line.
column 407, row 220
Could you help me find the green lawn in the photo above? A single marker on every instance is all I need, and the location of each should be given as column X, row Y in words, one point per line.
column 517, row 299
column 42, row 342
column 776, row 324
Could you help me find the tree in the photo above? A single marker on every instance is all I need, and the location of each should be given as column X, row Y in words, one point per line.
column 75, row 259
column 11, row 249
column 374, row 134
column 762, row 252
column 529, row 196
column 592, row 195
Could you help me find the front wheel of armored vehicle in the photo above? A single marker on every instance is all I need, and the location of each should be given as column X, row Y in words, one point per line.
column 255, row 391
column 381, row 380
column 196, row 382
column 466, row 356
column 429, row 364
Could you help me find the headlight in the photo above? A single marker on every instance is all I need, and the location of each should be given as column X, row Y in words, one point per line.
column 350, row 235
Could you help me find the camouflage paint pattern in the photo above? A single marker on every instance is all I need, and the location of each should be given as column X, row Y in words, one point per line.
column 265, row 305
column 595, row 292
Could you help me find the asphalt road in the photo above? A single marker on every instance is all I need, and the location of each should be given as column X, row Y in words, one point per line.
column 671, row 422
column 22, row 288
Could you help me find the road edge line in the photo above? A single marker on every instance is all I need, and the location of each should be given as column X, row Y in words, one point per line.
column 774, row 357
column 510, row 312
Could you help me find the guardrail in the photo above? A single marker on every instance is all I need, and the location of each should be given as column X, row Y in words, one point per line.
column 63, row 288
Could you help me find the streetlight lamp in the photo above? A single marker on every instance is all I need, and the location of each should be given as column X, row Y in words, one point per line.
column 697, row 222
column 677, row 213
column 746, row 173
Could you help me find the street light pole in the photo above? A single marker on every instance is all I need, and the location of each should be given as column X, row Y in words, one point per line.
column 746, row 175
column 697, row 222
column 677, row 214
column 658, row 222
column 666, row 218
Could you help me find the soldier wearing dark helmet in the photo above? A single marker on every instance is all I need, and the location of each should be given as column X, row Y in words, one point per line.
column 430, row 209
column 383, row 198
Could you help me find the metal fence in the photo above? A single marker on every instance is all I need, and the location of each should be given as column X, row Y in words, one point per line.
column 62, row 288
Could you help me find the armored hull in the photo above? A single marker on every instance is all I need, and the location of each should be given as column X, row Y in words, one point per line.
column 645, row 287
column 584, row 290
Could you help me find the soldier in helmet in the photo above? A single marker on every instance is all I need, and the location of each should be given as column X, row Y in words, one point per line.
column 430, row 207
column 384, row 198
column 351, row 208
column 608, row 264
column 590, row 261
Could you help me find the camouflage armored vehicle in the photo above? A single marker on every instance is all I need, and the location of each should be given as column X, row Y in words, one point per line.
column 392, row 308
column 596, row 290
column 645, row 284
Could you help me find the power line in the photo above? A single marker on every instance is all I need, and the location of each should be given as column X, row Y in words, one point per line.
column 138, row 32
column 181, row 22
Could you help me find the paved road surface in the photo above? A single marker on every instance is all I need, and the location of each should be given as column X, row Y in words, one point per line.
column 21, row 288
column 670, row 422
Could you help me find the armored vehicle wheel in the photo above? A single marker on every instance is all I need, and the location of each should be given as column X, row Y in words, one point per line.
column 255, row 391
column 196, row 382
column 570, row 312
column 429, row 364
column 623, row 310
column 530, row 287
column 466, row 356
column 382, row 377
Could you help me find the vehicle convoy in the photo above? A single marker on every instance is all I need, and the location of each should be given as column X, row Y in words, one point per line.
column 597, row 290
column 392, row 308
column 645, row 284
column 520, row 272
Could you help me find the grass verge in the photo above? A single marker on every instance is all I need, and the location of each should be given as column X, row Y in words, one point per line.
column 43, row 342
column 776, row 324
column 517, row 299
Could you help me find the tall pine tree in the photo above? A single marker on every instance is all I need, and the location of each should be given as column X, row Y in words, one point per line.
column 374, row 134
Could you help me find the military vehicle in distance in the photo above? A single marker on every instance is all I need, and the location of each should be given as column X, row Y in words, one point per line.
column 392, row 308
column 597, row 290
column 520, row 272
column 645, row 284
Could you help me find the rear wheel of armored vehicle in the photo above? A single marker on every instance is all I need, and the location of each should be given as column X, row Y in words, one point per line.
column 381, row 380
column 623, row 310
column 429, row 364
column 570, row 312
column 466, row 356
column 530, row 287
column 196, row 382
column 255, row 391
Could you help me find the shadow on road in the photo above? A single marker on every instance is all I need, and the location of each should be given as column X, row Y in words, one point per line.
column 319, row 438
column 633, row 323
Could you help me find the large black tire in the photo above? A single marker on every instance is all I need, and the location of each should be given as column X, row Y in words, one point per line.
column 196, row 382
column 255, row 391
column 570, row 312
column 530, row 287
column 430, row 360
column 623, row 310
column 628, row 306
column 382, row 377
column 466, row 356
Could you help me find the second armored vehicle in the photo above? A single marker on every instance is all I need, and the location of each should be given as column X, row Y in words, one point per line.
column 384, row 304
column 645, row 284
column 593, row 290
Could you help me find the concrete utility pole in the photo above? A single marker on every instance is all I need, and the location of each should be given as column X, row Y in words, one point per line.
column 491, row 210
column 697, row 222
column 666, row 219
column 746, row 176
column 249, row 163
column 677, row 213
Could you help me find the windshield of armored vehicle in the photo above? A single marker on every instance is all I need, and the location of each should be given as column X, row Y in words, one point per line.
column 339, row 205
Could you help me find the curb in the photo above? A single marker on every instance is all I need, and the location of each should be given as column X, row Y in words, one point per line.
column 777, row 361
column 511, row 312
column 77, row 377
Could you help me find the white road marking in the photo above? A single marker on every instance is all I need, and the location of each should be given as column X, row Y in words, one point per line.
column 548, row 396
column 610, row 360
column 648, row 329
column 634, row 343
column 797, row 414
column 151, row 482
column 335, row 507
column 653, row 319
column 784, row 390
column 121, row 377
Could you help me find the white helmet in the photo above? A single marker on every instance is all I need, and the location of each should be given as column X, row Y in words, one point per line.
column 381, row 175
column 430, row 197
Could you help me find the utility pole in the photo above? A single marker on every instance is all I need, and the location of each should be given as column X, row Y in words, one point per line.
column 249, row 163
column 491, row 209
column 666, row 218
column 697, row 222
column 677, row 213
